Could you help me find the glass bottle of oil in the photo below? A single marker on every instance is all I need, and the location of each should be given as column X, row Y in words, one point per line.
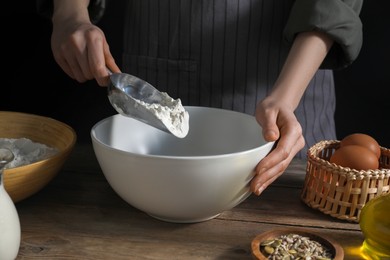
column 375, row 225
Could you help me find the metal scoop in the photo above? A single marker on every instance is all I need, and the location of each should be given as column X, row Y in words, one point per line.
column 6, row 156
column 126, row 94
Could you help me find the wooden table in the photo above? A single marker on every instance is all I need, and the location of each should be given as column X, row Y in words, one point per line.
column 79, row 216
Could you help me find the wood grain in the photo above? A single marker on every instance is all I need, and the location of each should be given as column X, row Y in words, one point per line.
column 79, row 216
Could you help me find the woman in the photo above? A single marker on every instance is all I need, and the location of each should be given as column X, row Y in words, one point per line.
column 271, row 59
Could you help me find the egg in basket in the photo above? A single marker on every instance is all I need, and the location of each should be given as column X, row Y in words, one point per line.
column 342, row 176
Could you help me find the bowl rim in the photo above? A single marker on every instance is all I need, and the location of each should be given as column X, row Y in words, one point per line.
column 61, row 153
column 267, row 145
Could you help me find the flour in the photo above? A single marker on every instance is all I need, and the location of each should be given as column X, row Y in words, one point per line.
column 171, row 113
column 26, row 151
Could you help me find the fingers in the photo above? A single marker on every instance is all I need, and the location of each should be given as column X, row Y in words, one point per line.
column 275, row 163
column 83, row 54
column 277, row 122
column 101, row 73
column 96, row 57
column 267, row 118
column 110, row 62
column 72, row 56
column 64, row 65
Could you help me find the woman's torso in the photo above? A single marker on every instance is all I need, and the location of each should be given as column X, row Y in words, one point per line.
column 221, row 53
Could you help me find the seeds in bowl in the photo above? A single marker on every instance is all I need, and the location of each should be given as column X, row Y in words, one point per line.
column 293, row 246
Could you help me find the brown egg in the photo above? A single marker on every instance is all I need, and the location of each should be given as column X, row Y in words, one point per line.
column 355, row 157
column 362, row 140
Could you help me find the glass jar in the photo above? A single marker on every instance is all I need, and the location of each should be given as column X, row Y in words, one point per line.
column 374, row 222
column 9, row 220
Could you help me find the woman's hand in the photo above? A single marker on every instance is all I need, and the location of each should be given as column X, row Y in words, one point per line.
column 275, row 113
column 279, row 124
column 80, row 47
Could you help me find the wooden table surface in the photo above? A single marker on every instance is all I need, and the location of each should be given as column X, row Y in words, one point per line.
column 78, row 216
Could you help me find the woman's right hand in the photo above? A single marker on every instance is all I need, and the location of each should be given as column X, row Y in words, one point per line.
column 79, row 47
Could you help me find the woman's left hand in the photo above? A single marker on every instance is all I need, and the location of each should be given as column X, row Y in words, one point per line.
column 279, row 124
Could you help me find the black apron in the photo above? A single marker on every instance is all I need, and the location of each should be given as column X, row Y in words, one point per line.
column 221, row 53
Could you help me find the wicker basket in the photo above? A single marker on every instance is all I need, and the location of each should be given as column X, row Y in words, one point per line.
column 339, row 191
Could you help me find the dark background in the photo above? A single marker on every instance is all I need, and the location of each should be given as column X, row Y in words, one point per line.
column 35, row 84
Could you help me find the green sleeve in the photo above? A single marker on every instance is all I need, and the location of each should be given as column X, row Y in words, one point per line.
column 96, row 9
column 337, row 18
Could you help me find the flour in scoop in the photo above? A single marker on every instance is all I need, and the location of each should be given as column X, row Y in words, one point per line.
column 171, row 113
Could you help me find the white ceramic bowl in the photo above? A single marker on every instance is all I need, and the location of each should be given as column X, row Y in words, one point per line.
column 184, row 180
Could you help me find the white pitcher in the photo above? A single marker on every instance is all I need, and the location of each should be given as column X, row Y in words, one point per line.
column 9, row 220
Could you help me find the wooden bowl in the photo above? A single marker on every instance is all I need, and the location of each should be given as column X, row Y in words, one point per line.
column 335, row 249
column 24, row 181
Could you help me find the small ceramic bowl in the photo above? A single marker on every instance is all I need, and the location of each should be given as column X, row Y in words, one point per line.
column 257, row 253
